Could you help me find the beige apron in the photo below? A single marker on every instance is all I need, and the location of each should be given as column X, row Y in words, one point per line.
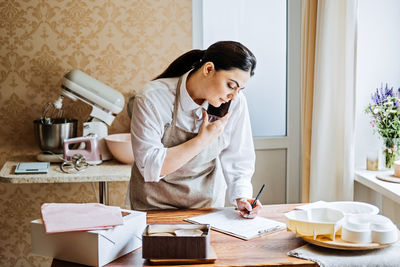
column 199, row 183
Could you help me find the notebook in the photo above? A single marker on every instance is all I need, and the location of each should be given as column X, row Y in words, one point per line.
column 230, row 222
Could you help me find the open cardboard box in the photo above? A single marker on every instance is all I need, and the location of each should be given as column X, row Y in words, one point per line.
column 156, row 245
column 94, row 248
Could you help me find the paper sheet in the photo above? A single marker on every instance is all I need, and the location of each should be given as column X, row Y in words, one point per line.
column 67, row 217
column 230, row 222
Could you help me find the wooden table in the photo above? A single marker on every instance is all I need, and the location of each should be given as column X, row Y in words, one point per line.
column 269, row 250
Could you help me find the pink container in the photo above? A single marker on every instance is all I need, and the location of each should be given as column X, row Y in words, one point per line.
column 120, row 146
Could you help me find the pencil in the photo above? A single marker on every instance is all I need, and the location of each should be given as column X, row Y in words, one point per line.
column 255, row 200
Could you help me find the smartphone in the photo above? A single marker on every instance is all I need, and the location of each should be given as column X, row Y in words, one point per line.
column 217, row 113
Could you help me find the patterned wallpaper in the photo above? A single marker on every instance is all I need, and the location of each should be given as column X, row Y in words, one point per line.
column 121, row 43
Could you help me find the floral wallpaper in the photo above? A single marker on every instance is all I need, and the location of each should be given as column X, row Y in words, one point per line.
column 121, row 43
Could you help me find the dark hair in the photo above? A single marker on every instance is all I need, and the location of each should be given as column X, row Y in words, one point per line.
column 225, row 55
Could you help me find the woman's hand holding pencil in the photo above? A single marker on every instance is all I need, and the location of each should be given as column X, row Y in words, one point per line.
column 249, row 208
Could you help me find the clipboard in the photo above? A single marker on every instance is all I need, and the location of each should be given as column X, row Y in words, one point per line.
column 230, row 222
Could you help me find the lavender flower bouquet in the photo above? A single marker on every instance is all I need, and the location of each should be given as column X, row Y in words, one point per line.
column 385, row 113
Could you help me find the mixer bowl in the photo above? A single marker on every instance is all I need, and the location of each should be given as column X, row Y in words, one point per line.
column 50, row 135
column 120, row 146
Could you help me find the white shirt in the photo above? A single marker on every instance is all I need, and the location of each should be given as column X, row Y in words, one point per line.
column 152, row 109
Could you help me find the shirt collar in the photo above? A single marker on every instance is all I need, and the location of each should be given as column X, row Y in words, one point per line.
column 186, row 101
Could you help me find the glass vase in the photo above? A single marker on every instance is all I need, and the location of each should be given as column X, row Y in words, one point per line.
column 391, row 151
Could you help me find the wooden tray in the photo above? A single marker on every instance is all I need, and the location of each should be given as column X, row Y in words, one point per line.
column 388, row 178
column 324, row 241
column 210, row 259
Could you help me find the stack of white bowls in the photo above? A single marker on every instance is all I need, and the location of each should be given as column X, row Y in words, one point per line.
column 359, row 222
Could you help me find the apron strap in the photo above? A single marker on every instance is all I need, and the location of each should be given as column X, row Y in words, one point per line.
column 177, row 97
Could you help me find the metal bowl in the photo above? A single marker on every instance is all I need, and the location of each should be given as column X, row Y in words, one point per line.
column 50, row 133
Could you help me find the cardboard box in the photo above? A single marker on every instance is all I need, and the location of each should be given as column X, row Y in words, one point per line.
column 94, row 248
column 160, row 242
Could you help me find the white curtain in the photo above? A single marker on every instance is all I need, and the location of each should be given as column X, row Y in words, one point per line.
column 333, row 119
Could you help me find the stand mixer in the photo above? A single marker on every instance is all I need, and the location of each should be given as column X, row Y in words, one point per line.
column 106, row 103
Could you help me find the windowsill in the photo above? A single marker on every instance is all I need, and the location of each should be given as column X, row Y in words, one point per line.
column 388, row 189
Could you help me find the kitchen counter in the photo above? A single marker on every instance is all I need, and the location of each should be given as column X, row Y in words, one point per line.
column 108, row 171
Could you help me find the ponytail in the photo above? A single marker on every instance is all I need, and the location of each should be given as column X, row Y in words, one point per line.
column 183, row 64
column 225, row 55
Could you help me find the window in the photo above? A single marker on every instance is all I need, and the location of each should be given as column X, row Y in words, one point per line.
column 261, row 26
column 271, row 29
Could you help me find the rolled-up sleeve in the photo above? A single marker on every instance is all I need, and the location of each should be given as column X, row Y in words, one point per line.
column 147, row 131
column 238, row 158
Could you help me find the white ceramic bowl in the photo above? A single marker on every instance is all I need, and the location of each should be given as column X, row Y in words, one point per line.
column 353, row 207
column 120, row 146
column 315, row 221
column 362, row 228
column 383, row 230
column 356, row 229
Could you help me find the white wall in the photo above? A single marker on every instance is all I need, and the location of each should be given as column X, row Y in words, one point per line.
column 261, row 26
column 378, row 61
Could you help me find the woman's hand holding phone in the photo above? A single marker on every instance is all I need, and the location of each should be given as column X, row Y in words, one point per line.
column 215, row 113
column 209, row 131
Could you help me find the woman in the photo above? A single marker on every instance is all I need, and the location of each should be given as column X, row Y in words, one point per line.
column 183, row 160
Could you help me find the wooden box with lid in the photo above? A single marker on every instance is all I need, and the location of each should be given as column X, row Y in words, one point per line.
column 176, row 241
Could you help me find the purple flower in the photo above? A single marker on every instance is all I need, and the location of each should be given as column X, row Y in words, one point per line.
column 376, row 98
column 385, row 112
column 388, row 91
column 382, row 94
